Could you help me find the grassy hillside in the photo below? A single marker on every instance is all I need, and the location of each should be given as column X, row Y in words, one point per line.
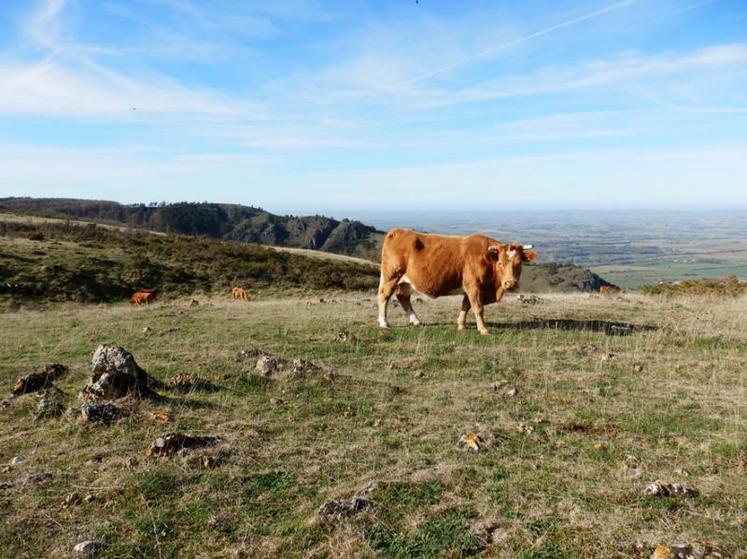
column 609, row 396
column 221, row 221
column 54, row 261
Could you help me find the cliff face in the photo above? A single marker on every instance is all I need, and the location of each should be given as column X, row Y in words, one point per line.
column 220, row 221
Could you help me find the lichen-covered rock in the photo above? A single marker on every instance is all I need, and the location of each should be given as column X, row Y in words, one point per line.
column 173, row 443
column 116, row 374
column 38, row 380
column 342, row 508
column 99, row 412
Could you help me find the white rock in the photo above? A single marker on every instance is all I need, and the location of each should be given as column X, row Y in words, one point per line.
column 89, row 548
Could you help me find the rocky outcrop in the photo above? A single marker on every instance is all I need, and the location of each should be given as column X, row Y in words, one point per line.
column 115, row 374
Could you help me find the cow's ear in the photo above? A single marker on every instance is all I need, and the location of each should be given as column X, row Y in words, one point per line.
column 528, row 255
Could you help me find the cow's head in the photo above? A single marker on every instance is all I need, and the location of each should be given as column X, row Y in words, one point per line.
column 508, row 260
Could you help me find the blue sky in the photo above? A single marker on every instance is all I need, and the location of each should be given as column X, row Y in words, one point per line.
column 312, row 105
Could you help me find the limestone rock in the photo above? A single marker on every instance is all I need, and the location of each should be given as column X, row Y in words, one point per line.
column 115, row 374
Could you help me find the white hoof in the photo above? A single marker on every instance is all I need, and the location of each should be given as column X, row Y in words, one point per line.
column 414, row 320
column 383, row 323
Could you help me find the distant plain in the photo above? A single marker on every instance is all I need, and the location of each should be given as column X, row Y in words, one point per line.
column 630, row 248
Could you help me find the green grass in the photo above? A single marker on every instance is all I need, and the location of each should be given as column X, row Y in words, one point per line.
column 388, row 425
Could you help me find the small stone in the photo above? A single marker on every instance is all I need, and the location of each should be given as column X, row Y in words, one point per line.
column 342, row 508
column 330, row 376
column 664, row 489
column 300, row 366
column 89, row 548
column 267, row 365
column 161, row 416
column 104, row 412
column 511, row 392
column 525, row 428
column 16, row 460
column 172, row 443
column 72, row 499
column 89, row 498
column 346, row 337
column 48, row 403
column 471, row 441
column 210, row 461
column 37, row 479
column 146, row 330
column 676, row 551
column 486, row 530
column 638, row 368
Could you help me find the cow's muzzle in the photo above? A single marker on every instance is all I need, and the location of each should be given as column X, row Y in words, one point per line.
column 510, row 284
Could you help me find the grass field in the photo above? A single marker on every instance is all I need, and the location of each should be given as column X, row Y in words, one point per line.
column 606, row 387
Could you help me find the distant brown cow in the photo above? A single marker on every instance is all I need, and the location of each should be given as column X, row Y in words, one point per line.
column 143, row 297
column 478, row 266
column 240, row 293
column 609, row 290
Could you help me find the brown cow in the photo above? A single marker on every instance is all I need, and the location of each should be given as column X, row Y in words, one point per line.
column 478, row 266
column 240, row 293
column 143, row 297
column 609, row 290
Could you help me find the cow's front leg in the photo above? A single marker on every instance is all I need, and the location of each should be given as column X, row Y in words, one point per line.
column 386, row 289
column 476, row 302
column 462, row 320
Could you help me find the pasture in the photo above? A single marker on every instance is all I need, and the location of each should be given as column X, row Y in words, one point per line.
column 581, row 401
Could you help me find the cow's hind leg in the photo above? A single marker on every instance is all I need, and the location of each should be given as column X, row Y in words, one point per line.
column 386, row 290
column 403, row 296
column 462, row 320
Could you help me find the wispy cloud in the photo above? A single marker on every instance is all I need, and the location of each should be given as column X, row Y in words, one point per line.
column 50, row 88
column 525, row 38
column 43, row 24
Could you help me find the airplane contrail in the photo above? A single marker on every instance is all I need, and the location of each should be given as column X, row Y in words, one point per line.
column 606, row 9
